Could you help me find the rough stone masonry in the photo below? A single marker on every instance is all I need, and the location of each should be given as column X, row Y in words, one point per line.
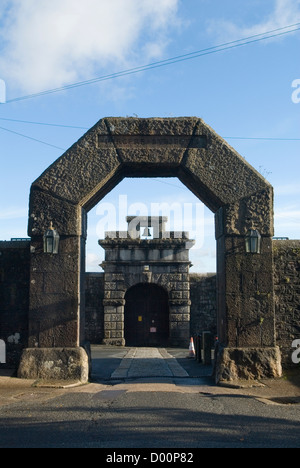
column 14, row 259
column 186, row 148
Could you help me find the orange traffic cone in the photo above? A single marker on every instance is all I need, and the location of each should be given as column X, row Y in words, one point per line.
column 192, row 353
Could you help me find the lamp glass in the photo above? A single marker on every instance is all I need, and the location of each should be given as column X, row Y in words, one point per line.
column 51, row 242
column 253, row 241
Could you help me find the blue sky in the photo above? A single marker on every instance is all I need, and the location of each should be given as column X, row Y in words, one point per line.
column 242, row 92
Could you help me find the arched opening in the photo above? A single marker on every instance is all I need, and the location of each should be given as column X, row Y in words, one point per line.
column 187, row 148
column 151, row 197
column 146, row 316
column 154, row 197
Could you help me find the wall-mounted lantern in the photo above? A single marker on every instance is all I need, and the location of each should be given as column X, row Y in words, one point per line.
column 253, row 241
column 51, row 240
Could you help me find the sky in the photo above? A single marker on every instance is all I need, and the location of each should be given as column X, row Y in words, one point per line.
column 250, row 95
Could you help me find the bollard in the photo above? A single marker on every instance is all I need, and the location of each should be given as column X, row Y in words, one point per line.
column 206, row 340
column 199, row 349
column 2, row 352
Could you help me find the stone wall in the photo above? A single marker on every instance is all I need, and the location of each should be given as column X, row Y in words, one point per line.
column 14, row 298
column 287, row 296
column 94, row 309
column 203, row 299
column 203, row 303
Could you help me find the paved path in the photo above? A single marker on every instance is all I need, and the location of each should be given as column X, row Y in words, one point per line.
column 148, row 362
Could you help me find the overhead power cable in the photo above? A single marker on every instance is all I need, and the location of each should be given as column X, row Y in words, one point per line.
column 43, row 123
column 262, row 138
column 47, row 124
column 85, row 128
column 31, row 138
column 163, row 63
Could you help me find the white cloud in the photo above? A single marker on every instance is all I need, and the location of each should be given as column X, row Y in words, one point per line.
column 287, row 221
column 291, row 189
column 289, row 215
column 283, row 13
column 13, row 213
column 93, row 260
column 47, row 44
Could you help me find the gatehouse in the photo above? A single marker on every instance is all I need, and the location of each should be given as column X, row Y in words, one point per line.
column 240, row 198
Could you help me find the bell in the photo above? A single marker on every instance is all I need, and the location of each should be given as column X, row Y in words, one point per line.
column 147, row 233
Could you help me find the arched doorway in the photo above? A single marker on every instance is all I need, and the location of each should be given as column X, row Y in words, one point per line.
column 146, row 316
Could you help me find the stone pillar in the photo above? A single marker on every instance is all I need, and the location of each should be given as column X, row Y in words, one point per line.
column 180, row 305
column 54, row 295
column 179, row 322
column 114, row 322
column 114, row 302
column 246, row 312
column 56, row 302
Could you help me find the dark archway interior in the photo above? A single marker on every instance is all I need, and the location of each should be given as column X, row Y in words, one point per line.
column 146, row 316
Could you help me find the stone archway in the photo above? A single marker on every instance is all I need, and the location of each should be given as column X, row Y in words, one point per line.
column 186, row 148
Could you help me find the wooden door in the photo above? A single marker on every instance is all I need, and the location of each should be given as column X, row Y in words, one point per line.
column 146, row 316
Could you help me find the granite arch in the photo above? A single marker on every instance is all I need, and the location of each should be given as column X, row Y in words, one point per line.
column 186, row 148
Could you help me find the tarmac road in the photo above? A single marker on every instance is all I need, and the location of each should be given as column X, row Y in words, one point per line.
column 122, row 417
column 164, row 412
